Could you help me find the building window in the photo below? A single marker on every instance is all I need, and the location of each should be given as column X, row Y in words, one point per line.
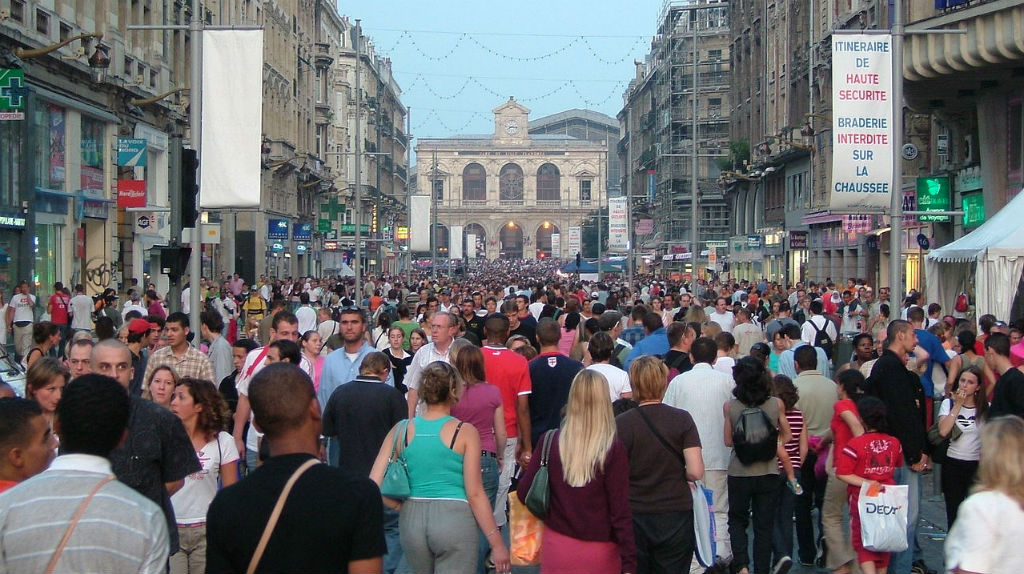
column 42, row 22
column 585, row 186
column 474, row 183
column 65, row 33
column 438, row 190
column 18, row 11
column 510, row 183
column 715, row 107
column 320, row 140
column 92, row 153
column 50, row 126
column 548, row 181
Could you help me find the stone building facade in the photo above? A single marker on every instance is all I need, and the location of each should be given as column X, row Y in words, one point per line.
column 518, row 193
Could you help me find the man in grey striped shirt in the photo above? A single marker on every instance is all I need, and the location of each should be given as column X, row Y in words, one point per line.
column 116, row 529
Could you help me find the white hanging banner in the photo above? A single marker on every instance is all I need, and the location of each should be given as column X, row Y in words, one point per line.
column 556, row 244
column 618, row 236
column 419, row 224
column 862, row 112
column 455, row 239
column 471, row 245
column 232, row 119
column 575, row 243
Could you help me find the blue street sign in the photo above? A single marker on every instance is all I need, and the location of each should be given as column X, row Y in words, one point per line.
column 131, row 152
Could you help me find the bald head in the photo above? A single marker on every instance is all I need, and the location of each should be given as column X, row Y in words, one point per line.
column 112, row 358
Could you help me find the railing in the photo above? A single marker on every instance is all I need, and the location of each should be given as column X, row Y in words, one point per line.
column 510, row 202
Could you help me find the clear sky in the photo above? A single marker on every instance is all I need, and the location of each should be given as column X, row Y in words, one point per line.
column 457, row 60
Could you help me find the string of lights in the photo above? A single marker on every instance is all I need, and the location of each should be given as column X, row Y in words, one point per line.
column 464, row 37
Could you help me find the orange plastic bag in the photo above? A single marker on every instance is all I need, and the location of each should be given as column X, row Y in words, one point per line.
column 525, row 532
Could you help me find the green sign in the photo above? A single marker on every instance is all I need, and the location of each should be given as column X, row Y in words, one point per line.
column 13, row 92
column 323, row 225
column 974, row 209
column 332, row 209
column 933, row 195
column 351, row 228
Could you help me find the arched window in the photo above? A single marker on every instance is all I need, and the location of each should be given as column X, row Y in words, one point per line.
column 548, row 182
column 510, row 183
column 474, row 183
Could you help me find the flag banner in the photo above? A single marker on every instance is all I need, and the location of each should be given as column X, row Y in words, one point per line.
column 556, row 245
column 862, row 111
column 618, row 236
column 471, row 245
column 419, row 214
column 232, row 119
column 455, row 242
column 575, row 243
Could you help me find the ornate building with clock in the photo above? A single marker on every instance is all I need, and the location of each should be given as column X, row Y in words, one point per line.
column 522, row 191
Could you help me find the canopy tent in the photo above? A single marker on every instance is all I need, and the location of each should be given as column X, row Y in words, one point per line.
column 994, row 253
column 585, row 267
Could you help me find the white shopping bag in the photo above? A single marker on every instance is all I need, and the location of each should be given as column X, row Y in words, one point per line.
column 703, row 523
column 883, row 517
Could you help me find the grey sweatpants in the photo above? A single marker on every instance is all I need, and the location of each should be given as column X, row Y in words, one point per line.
column 438, row 536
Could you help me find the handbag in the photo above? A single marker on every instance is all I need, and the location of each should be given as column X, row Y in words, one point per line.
column 525, row 533
column 538, row 498
column 940, row 444
column 396, row 476
column 883, row 516
column 703, row 497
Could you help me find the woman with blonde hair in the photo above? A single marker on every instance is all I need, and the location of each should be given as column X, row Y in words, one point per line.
column 662, row 517
column 589, row 525
column 990, row 523
column 438, row 522
column 160, row 386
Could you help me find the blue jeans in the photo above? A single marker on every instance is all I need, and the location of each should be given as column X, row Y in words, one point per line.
column 782, row 536
column 903, row 561
column 489, row 474
column 391, row 538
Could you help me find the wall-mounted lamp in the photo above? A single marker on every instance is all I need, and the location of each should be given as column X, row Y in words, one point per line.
column 99, row 61
column 808, row 130
column 156, row 98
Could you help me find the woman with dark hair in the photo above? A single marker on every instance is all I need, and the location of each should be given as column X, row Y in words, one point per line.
column 570, row 323
column 417, row 338
column 205, row 415
column 881, row 321
column 283, row 351
column 239, row 350
column 753, row 486
column 399, row 357
column 965, row 408
column 480, row 405
column 844, row 426
column 311, row 344
column 379, row 333
column 438, row 522
column 968, row 357
column 46, row 336
column 863, row 351
column 580, row 350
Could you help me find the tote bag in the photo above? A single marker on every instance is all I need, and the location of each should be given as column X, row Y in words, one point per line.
column 703, row 524
column 883, row 517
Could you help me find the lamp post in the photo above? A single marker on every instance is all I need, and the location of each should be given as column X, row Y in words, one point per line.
column 99, row 61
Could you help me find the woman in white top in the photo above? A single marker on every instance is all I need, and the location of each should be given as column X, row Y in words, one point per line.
column 965, row 408
column 203, row 412
column 990, row 523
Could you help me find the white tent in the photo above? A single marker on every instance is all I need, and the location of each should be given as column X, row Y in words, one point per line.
column 995, row 252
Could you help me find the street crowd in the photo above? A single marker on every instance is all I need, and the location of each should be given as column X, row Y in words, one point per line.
column 312, row 427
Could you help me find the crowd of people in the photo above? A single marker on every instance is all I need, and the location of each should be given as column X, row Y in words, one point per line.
column 263, row 441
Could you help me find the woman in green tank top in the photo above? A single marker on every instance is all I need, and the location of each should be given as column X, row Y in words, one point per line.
column 438, row 522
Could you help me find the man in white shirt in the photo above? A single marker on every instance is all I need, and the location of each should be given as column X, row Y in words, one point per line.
column 443, row 328
column 305, row 314
column 539, row 300
column 82, row 306
column 133, row 304
column 817, row 322
column 600, row 347
column 722, row 315
column 702, row 391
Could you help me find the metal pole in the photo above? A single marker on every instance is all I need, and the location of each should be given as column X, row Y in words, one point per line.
column 600, row 186
column 408, row 196
column 694, row 205
column 357, row 267
column 896, row 193
column 433, row 213
column 195, row 124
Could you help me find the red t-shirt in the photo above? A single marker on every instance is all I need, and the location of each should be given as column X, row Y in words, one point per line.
column 841, row 433
column 6, row 484
column 59, row 308
column 508, row 371
column 872, row 455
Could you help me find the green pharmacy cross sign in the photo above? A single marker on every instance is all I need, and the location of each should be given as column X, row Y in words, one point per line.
column 330, row 212
column 12, row 94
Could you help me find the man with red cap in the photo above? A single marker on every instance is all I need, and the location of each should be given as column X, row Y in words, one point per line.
column 138, row 343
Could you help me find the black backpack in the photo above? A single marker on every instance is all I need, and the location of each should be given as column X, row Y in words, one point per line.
column 754, row 437
column 822, row 339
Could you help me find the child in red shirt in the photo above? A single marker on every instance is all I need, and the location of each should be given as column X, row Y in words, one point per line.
column 869, row 458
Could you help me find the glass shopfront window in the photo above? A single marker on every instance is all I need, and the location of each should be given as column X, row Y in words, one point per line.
column 47, row 256
column 50, row 129
column 12, row 160
column 92, row 153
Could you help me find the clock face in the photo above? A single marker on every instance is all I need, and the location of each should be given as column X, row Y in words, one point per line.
column 511, row 127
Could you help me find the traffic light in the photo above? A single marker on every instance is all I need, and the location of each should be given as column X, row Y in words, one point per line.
column 579, row 261
column 189, row 187
column 174, row 260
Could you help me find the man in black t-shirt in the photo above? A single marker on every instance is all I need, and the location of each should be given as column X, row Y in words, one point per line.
column 1008, row 394
column 551, row 376
column 331, row 520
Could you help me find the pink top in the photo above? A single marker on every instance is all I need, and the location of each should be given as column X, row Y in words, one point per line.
column 1017, row 354
column 318, row 366
column 565, row 343
column 476, row 406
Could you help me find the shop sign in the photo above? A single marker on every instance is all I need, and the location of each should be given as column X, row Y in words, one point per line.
column 753, row 241
column 12, row 94
column 323, row 225
column 974, row 209
column 969, row 179
column 131, row 193
column 798, row 240
column 718, row 244
column 301, row 248
column 933, row 195
column 350, row 228
column 330, row 245
column 12, row 220
column 92, row 203
column 302, row 231
column 277, row 247
column 277, row 229
column 131, row 152
column 403, row 233
column 645, row 226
